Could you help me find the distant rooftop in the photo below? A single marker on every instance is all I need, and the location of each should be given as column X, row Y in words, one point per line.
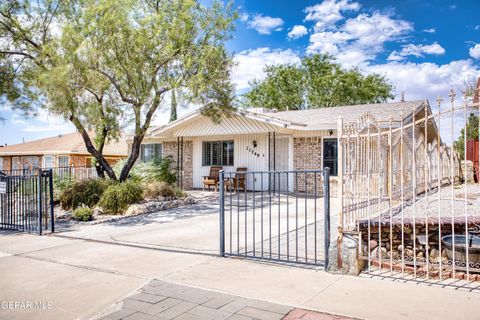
column 70, row 143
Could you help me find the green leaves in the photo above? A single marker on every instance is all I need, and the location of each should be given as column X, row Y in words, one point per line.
column 104, row 64
column 318, row 82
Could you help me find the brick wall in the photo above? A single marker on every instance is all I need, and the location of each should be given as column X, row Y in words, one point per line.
column 170, row 149
column 307, row 155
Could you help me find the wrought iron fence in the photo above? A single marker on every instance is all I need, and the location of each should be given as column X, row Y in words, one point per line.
column 284, row 217
column 26, row 202
column 407, row 188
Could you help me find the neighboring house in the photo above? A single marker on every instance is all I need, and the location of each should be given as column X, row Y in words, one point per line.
column 264, row 140
column 64, row 150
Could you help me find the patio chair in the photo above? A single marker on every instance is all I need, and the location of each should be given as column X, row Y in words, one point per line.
column 212, row 178
column 239, row 179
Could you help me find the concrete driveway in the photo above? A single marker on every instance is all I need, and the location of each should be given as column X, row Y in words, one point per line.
column 191, row 228
column 274, row 227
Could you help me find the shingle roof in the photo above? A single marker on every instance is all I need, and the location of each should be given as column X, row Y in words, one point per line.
column 70, row 143
column 326, row 118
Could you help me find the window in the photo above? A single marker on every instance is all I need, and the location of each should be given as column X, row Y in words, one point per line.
column 218, row 153
column 149, row 152
column 330, row 158
column 63, row 161
column 1, row 163
column 48, row 161
column 31, row 163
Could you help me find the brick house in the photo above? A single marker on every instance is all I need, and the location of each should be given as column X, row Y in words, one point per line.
column 65, row 150
column 261, row 140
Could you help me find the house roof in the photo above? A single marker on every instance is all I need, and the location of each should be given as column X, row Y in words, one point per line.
column 246, row 121
column 326, row 118
column 70, row 143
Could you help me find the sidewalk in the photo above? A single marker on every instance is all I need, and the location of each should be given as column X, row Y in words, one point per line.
column 83, row 279
column 163, row 300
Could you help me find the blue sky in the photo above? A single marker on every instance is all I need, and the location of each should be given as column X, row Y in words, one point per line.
column 425, row 48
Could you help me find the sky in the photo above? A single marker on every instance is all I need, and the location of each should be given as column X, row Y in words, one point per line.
column 424, row 48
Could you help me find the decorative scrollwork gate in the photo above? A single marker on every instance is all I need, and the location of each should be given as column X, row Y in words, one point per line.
column 408, row 190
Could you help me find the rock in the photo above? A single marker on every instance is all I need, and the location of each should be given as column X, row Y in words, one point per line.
column 420, row 254
column 395, row 255
column 97, row 211
column 373, row 244
column 434, row 254
column 409, row 252
column 377, row 251
column 400, row 248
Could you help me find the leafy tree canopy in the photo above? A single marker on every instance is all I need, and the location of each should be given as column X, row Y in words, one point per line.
column 104, row 63
column 318, row 82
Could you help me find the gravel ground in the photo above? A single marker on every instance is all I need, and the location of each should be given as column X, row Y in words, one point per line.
column 431, row 205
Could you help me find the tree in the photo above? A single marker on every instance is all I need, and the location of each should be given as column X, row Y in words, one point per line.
column 173, row 107
column 318, row 82
column 103, row 63
column 472, row 134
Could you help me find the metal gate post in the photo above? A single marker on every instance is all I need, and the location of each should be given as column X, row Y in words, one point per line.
column 222, row 213
column 326, row 212
column 39, row 200
column 52, row 213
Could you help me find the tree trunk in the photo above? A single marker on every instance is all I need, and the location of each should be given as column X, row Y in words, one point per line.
column 173, row 107
column 91, row 149
column 132, row 158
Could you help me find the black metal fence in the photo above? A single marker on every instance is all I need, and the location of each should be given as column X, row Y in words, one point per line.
column 281, row 216
column 74, row 173
column 26, row 202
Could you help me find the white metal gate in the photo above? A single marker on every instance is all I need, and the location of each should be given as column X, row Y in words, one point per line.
column 408, row 188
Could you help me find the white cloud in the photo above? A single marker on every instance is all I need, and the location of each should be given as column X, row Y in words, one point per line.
column 429, row 30
column 250, row 64
column 475, row 51
column 426, row 80
column 360, row 39
column 329, row 12
column 417, row 51
column 42, row 122
column 298, row 31
column 265, row 24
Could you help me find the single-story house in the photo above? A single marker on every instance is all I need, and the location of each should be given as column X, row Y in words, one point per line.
column 64, row 150
column 263, row 140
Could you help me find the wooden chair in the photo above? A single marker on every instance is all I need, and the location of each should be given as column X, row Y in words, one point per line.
column 212, row 178
column 239, row 179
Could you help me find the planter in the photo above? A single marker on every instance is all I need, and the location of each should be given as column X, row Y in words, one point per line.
column 460, row 249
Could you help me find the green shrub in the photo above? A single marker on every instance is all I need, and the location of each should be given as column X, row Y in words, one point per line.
column 119, row 196
column 59, row 185
column 86, row 192
column 83, row 214
column 152, row 171
column 159, row 189
column 179, row 193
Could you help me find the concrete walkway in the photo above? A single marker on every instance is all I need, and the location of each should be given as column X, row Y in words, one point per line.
column 80, row 279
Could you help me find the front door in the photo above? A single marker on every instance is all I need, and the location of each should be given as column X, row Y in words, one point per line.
column 281, row 161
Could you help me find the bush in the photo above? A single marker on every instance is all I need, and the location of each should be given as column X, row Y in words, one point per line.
column 179, row 193
column 83, row 214
column 153, row 171
column 59, row 185
column 120, row 195
column 159, row 189
column 87, row 192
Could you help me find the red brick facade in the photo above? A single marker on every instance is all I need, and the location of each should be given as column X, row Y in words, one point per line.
column 307, row 155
